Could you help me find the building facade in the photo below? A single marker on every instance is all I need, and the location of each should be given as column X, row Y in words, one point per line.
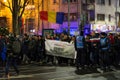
column 5, row 16
column 31, row 22
column 62, row 6
column 102, row 15
column 107, row 15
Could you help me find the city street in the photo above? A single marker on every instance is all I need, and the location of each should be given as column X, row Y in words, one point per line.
column 37, row 72
column 52, row 39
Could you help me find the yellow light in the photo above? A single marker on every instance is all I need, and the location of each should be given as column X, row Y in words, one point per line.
column 5, row 0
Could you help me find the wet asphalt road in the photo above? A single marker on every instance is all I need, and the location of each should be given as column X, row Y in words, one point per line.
column 37, row 72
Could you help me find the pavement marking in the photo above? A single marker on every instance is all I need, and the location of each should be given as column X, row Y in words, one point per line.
column 61, row 71
column 84, row 76
column 64, row 69
column 35, row 67
column 30, row 70
column 16, row 77
column 67, row 69
column 33, row 75
column 38, row 69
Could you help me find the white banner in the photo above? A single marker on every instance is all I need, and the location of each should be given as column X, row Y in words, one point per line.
column 60, row 48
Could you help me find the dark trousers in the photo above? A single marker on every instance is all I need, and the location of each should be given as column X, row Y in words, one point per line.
column 117, row 57
column 39, row 56
column 113, row 55
column 104, row 59
column 94, row 56
column 11, row 61
column 80, row 59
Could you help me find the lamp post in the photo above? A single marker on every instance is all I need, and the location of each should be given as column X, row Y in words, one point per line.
column 81, row 16
column 38, row 17
column 68, row 17
column 116, row 13
column 79, row 13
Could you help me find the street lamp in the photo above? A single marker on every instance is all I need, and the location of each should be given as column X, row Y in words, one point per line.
column 5, row 1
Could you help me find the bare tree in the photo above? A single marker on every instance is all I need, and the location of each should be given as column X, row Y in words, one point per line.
column 17, row 8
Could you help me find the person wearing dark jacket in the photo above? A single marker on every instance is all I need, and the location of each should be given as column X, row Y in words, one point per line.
column 87, row 49
column 40, row 49
column 94, row 50
column 3, row 50
column 12, row 56
column 24, row 50
column 117, row 49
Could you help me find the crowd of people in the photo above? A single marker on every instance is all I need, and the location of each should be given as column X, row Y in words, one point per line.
column 100, row 51
column 26, row 49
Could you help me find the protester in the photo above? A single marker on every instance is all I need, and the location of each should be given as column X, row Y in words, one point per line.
column 117, row 49
column 3, row 50
column 93, row 50
column 24, row 50
column 40, row 49
column 12, row 56
column 94, row 56
column 88, row 50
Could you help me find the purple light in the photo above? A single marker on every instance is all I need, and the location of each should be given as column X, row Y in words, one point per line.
column 87, row 29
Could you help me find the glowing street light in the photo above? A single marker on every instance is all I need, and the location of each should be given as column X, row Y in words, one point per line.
column 5, row 0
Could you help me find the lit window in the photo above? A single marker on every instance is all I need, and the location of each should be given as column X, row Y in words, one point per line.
column 30, row 24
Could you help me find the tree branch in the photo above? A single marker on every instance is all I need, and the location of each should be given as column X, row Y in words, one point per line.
column 12, row 4
column 9, row 6
column 23, row 7
column 19, row 2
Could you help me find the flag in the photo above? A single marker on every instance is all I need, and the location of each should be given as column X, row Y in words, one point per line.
column 55, row 17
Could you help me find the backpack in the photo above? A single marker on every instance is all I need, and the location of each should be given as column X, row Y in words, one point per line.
column 16, row 46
